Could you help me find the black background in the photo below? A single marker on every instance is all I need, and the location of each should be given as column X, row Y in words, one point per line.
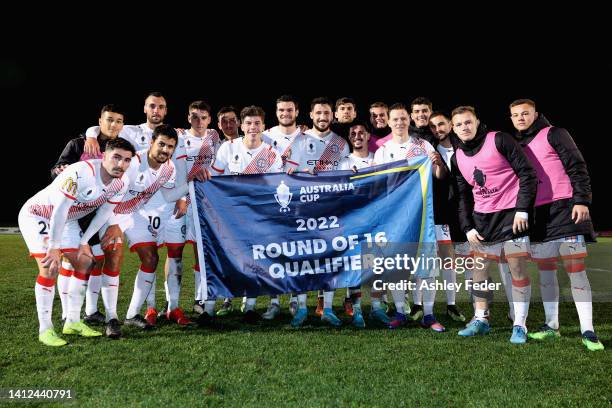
column 52, row 94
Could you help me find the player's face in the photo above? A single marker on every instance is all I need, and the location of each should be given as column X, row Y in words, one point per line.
column 286, row 113
column 228, row 123
column 199, row 120
column 346, row 113
column 399, row 121
column 162, row 149
column 420, row 115
column 155, row 108
column 116, row 161
column 252, row 126
column 111, row 124
column 321, row 116
column 523, row 116
column 359, row 137
column 379, row 117
column 440, row 127
column 465, row 126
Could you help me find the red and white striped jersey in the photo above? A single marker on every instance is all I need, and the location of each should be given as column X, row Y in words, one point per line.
column 320, row 153
column 392, row 151
column 234, row 158
column 280, row 141
column 80, row 182
column 198, row 152
column 144, row 182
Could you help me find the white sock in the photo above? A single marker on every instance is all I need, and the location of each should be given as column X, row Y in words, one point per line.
column 481, row 314
column 581, row 292
column 385, row 298
column 521, row 295
column 293, row 298
column 172, row 284
column 398, row 298
column 93, row 291
column 209, row 307
column 110, row 293
column 429, row 297
column 328, row 299
column 143, row 286
column 302, row 297
column 275, row 300
column 196, row 279
column 250, row 304
column 449, row 276
column 76, row 296
column 506, row 278
column 44, row 290
column 549, row 290
column 151, row 294
column 469, row 274
column 63, row 281
column 417, row 293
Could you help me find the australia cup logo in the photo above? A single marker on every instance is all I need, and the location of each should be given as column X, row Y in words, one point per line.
column 283, row 197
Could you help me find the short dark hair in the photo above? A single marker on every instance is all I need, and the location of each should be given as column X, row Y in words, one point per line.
column 225, row 110
column 358, row 122
column 463, row 109
column 322, row 100
column 288, row 98
column 398, row 106
column 379, row 105
column 252, row 111
column 200, row 105
column 120, row 143
column 439, row 113
column 421, row 100
column 155, row 94
column 344, row 101
column 523, row 102
column 165, row 130
column 111, row 107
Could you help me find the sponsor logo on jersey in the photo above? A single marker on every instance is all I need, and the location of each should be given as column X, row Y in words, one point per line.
column 70, row 186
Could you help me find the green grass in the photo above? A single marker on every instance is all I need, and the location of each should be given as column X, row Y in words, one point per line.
column 272, row 364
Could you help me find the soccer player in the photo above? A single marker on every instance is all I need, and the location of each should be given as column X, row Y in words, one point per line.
column 405, row 146
column 196, row 152
column 318, row 149
column 562, row 218
column 497, row 189
column 48, row 222
column 140, row 218
column 110, row 124
column 245, row 155
column 281, row 137
column 379, row 121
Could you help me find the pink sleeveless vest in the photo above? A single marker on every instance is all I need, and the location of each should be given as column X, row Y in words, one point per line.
column 495, row 185
column 553, row 182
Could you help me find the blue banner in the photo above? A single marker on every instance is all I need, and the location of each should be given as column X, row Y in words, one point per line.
column 279, row 233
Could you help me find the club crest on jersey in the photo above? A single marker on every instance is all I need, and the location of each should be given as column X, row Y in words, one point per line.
column 417, row 151
column 261, row 164
column 335, row 148
column 70, row 186
column 283, row 197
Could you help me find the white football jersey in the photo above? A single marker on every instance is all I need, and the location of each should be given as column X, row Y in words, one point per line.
column 234, row 158
column 351, row 161
column 80, row 182
column 391, row 151
column 280, row 141
column 144, row 183
column 139, row 136
column 198, row 152
column 323, row 153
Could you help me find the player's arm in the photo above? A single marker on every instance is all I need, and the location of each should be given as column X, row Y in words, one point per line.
column 69, row 155
column 219, row 167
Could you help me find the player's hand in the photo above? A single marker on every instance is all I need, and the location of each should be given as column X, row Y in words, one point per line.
column 521, row 224
column 291, row 170
column 203, row 174
column 354, row 168
column 436, row 159
column 580, row 213
column 58, row 169
column 85, row 257
column 474, row 237
column 111, row 239
column 52, row 260
column 180, row 208
column 92, row 147
column 180, row 131
column 303, row 128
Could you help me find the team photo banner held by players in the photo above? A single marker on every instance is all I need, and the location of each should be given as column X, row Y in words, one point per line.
column 279, row 233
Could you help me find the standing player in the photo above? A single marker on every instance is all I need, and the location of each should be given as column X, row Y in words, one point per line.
column 245, row 155
column 562, row 219
column 497, row 189
column 49, row 225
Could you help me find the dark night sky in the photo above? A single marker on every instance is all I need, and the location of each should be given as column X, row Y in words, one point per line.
column 49, row 101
